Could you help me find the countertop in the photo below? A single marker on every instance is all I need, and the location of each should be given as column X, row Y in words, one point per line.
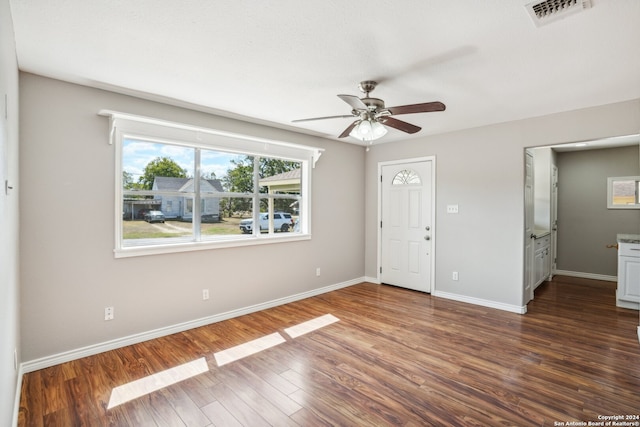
column 628, row 238
column 539, row 232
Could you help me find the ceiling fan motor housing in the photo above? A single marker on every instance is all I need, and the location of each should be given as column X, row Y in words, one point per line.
column 373, row 103
column 367, row 86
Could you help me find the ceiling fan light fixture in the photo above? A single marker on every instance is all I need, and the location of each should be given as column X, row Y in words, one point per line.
column 368, row 130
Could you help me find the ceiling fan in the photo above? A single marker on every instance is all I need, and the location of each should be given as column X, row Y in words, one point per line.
column 373, row 116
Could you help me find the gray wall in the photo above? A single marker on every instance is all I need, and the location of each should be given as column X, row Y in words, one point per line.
column 68, row 270
column 585, row 225
column 9, row 289
column 482, row 170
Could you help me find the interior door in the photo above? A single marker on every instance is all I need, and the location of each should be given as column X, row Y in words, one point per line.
column 554, row 218
column 406, row 225
column 528, row 228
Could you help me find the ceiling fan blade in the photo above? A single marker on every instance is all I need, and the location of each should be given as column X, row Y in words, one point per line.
column 355, row 102
column 348, row 130
column 399, row 124
column 426, row 107
column 322, row 118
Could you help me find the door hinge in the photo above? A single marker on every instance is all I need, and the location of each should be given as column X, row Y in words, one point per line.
column 380, row 178
column 380, row 224
column 380, row 270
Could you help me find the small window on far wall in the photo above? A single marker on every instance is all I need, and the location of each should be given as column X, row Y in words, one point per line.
column 180, row 188
column 623, row 192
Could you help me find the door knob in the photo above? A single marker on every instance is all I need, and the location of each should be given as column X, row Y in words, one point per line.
column 427, row 228
column 427, row 237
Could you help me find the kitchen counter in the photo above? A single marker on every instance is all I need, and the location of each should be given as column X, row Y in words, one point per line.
column 628, row 238
column 540, row 232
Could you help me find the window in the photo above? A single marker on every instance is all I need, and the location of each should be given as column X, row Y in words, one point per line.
column 623, row 192
column 405, row 177
column 181, row 188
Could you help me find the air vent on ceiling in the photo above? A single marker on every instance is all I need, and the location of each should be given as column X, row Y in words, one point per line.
column 548, row 11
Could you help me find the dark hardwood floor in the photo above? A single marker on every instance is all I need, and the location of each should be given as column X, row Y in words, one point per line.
column 395, row 357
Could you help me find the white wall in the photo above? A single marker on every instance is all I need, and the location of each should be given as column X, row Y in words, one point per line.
column 69, row 273
column 482, row 171
column 9, row 289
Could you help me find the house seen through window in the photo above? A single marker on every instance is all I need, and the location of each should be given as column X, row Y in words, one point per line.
column 163, row 202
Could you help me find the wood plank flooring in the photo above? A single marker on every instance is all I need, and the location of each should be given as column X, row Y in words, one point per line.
column 394, row 358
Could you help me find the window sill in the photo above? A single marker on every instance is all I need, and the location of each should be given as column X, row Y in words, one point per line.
column 134, row 251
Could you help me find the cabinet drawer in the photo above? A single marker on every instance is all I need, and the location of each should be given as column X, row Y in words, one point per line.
column 542, row 242
column 629, row 249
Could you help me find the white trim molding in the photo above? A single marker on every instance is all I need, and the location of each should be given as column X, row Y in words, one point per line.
column 482, row 302
column 18, row 395
column 133, row 123
column 586, row 275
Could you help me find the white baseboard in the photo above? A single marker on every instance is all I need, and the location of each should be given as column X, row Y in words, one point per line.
column 470, row 300
column 586, row 275
column 16, row 403
column 482, row 302
column 67, row 356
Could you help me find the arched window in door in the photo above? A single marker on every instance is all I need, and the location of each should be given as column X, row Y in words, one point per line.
column 406, row 177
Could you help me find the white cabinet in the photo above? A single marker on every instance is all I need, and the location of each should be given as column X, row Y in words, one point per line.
column 628, row 292
column 541, row 259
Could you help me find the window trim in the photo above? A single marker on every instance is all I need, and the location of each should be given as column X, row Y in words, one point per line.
column 123, row 125
column 611, row 196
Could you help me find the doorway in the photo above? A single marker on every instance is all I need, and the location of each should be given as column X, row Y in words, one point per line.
column 584, row 167
column 406, row 215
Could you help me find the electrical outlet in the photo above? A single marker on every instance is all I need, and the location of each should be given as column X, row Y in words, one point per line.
column 454, row 276
column 108, row 313
column 318, row 272
column 205, row 294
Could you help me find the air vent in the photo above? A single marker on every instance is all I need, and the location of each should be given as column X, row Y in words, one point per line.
column 545, row 12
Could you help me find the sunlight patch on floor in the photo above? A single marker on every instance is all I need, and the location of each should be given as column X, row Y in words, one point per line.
column 155, row 382
column 311, row 325
column 160, row 380
column 247, row 349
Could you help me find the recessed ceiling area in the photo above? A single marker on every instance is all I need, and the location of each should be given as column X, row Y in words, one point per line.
column 618, row 141
column 274, row 62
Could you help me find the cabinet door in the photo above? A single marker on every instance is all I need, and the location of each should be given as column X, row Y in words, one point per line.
column 547, row 264
column 629, row 278
column 538, row 267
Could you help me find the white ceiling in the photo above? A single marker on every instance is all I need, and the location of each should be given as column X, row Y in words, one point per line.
column 280, row 60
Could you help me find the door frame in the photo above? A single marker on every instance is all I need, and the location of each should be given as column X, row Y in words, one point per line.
column 554, row 219
column 432, row 159
column 528, row 227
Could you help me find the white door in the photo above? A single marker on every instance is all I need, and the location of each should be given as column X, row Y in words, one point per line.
column 406, row 225
column 528, row 229
column 554, row 218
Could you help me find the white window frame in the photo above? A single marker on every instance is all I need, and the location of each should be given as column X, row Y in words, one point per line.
column 610, row 192
column 128, row 126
